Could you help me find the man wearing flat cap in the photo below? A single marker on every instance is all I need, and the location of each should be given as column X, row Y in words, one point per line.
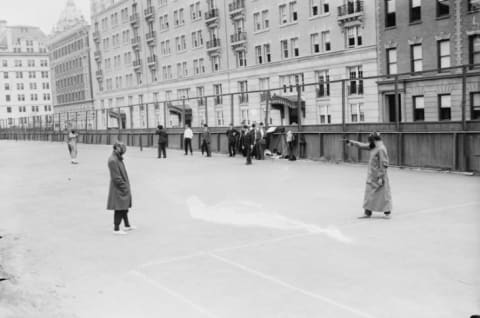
column 119, row 194
column 378, row 196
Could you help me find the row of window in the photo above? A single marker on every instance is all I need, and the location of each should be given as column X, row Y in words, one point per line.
column 444, row 102
column 30, row 63
column 69, row 65
column 71, row 97
column 70, row 48
column 70, row 81
column 43, row 74
column 443, row 55
column 21, row 97
column 21, row 86
column 34, row 109
column 442, row 8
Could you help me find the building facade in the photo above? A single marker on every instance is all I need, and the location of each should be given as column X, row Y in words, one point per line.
column 429, row 37
column 70, row 64
column 151, row 51
column 25, row 89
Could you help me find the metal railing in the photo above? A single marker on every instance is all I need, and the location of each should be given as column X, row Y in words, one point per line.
column 351, row 7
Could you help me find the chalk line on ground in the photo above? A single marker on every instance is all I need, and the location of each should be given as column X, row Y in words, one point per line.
column 291, row 287
column 173, row 293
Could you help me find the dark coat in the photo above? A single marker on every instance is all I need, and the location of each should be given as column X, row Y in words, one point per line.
column 119, row 195
column 232, row 135
column 162, row 136
column 249, row 139
column 205, row 137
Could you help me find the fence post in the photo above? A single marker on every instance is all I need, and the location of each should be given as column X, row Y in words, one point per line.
column 146, row 114
column 165, row 114
column 183, row 112
column 396, row 104
column 299, row 110
column 343, row 105
column 206, row 110
column 267, row 105
column 232, row 117
column 464, row 97
column 454, row 151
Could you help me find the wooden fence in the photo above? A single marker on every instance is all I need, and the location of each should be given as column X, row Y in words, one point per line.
column 435, row 145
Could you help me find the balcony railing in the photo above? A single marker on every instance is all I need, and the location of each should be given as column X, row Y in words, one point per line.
column 149, row 13
column 136, row 42
column 152, row 61
column 236, row 5
column 97, row 55
column 213, row 44
column 238, row 37
column 211, row 14
column 350, row 8
column 96, row 36
column 134, row 19
column 137, row 64
column 151, row 36
column 99, row 74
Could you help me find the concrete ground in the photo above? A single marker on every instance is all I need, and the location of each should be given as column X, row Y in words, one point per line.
column 217, row 238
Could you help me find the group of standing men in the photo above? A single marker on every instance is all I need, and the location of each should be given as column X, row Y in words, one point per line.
column 250, row 142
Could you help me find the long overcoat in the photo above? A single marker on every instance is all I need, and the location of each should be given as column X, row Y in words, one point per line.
column 119, row 194
column 378, row 196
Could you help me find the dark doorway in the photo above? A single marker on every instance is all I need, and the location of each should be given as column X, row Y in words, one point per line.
column 390, row 108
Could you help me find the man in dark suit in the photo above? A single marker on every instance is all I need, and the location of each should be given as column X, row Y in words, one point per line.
column 205, row 141
column 162, row 142
column 119, row 195
column 232, row 134
column 249, row 142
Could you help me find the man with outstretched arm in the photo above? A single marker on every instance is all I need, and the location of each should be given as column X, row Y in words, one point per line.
column 378, row 196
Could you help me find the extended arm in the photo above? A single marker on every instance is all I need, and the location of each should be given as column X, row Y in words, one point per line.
column 361, row 145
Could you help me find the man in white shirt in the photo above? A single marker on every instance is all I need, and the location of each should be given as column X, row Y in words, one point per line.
column 187, row 140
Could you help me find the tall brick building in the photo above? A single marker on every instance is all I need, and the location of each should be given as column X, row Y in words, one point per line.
column 147, row 51
column 420, row 35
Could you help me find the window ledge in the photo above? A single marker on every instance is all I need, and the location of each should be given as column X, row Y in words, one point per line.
column 392, row 27
column 261, row 31
column 443, row 17
column 319, row 16
column 288, row 24
column 415, row 22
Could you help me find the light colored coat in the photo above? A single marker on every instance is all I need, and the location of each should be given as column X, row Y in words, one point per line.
column 377, row 196
column 119, row 194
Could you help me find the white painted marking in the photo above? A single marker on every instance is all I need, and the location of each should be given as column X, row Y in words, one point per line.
column 247, row 213
column 172, row 260
column 439, row 209
column 175, row 294
column 292, row 287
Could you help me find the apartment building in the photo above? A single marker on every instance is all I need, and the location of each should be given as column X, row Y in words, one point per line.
column 152, row 51
column 25, row 91
column 421, row 35
column 69, row 48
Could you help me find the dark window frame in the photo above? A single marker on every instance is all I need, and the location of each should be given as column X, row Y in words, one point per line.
column 390, row 18
column 415, row 13
column 439, row 9
column 439, row 56
column 412, row 60
column 472, row 107
column 388, row 60
column 471, row 53
column 441, row 113
column 418, row 112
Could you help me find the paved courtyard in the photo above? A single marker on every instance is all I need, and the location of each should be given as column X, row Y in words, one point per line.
column 217, row 238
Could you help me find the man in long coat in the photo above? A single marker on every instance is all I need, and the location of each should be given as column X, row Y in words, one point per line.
column 249, row 143
column 205, row 141
column 378, row 196
column 119, row 194
column 232, row 134
column 162, row 142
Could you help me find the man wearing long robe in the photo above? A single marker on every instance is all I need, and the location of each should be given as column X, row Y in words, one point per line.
column 378, row 196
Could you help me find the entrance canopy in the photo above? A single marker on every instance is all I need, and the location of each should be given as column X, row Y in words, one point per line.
column 288, row 101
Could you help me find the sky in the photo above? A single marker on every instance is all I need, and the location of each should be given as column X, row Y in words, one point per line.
column 41, row 13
